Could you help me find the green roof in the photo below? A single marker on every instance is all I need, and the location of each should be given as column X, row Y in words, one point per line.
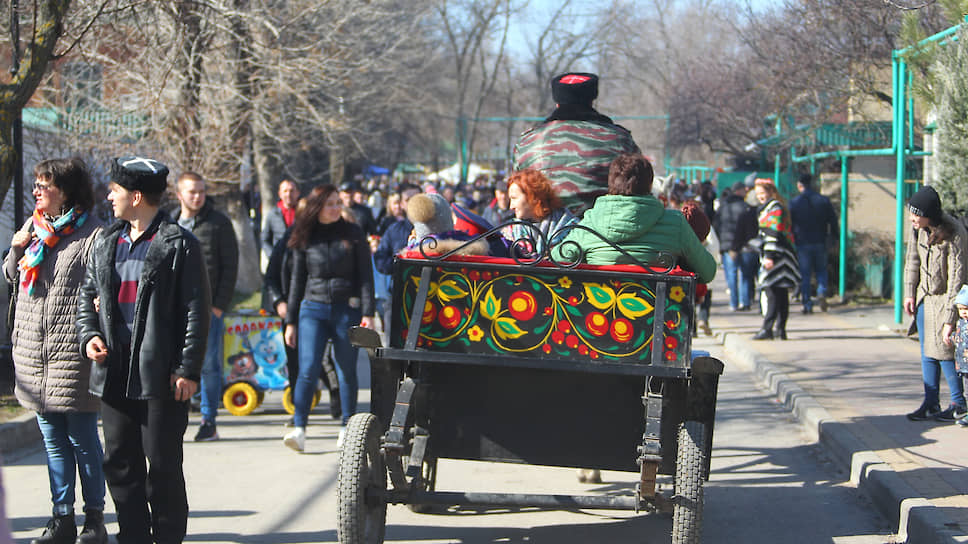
column 866, row 134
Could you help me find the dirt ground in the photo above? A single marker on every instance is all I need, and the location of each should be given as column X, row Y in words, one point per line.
column 9, row 407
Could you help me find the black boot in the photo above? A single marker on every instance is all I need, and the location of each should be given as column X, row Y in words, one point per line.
column 763, row 334
column 60, row 530
column 93, row 531
column 781, row 334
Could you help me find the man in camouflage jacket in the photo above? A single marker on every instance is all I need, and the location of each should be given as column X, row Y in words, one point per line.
column 575, row 144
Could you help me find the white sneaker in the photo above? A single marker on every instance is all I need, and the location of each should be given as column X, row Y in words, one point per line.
column 295, row 439
column 339, row 439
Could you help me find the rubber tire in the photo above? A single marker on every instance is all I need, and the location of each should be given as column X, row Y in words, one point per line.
column 240, row 399
column 361, row 486
column 690, row 466
column 288, row 405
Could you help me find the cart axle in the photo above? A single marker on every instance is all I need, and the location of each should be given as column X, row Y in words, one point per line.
column 564, row 502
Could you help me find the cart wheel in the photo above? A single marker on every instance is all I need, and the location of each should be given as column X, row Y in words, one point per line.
column 690, row 462
column 240, row 399
column 429, row 483
column 289, row 406
column 362, row 484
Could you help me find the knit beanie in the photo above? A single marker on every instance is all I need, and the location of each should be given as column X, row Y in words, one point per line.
column 926, row 203
column 575, row 88
column 430, row 214
column 961, row 299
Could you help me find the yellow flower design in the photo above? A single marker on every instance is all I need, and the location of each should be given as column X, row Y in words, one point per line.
column 677, row 293
column 564, row 282
column 475, row 333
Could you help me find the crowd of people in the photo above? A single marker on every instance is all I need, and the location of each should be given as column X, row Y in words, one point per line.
column 124, row 320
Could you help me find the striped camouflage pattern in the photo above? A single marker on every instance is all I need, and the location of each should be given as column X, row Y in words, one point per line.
column 575, row 156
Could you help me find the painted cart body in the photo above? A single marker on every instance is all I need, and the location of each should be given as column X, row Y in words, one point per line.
column 541, row 364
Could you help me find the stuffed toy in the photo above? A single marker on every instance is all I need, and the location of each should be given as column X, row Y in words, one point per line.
column 433, row 223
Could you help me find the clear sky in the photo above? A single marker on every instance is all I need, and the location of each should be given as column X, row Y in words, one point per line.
column 539, row 11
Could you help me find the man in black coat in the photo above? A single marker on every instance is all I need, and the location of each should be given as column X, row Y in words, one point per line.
column 362, row 212
column 214, row 230
column 143, row 317
column 814, row 223
column 732, row 206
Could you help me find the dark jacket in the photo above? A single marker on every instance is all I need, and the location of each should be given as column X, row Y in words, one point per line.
column 747, row 228
column 278, row 275
column 813, row 218
column 214, row 230
column 496, row 216
column 364, row 217
column 386, row 221
column 334, row 267
column 172, row 312
column 273, row 227
column 731, row 208
column 393, row 240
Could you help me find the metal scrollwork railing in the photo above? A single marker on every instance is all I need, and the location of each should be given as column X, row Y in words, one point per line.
column 524, row 249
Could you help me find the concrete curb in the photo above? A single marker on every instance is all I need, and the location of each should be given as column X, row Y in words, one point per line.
column 19, row 433
column 917, row 519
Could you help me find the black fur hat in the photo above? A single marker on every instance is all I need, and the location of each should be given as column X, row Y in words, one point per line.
column 140, row 174
column 575, row 88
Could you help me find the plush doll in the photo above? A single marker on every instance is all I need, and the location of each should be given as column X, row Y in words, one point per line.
column 433, row 228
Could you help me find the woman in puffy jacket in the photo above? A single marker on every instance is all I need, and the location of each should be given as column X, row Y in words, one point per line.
column 331, row 290
column 47, row 260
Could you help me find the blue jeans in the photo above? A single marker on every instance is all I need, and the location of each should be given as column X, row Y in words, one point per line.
column 731, row 269
column 319, row 323
column 72, row 445
column 740, row 276
column 211, row 385
column 813, row 260
column 931, row 371
column 746, row 270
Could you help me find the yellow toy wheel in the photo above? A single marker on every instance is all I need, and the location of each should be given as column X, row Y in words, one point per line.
column 287, row 404
column 290, row 407
column 240, row 399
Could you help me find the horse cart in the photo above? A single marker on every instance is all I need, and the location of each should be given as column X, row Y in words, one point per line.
column 532, row 362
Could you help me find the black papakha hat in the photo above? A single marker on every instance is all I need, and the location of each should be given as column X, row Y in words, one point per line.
column 140, row 174
column 575, row 88
column 926, row 203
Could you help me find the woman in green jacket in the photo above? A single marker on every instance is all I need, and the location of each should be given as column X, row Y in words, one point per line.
column 631, row 218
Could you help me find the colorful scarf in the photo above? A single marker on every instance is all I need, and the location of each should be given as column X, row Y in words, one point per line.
column 48, row 233
column 773, row 216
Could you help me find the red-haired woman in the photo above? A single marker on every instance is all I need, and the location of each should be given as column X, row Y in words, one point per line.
column 330, row 291
column 534, row 199
column 779, row 271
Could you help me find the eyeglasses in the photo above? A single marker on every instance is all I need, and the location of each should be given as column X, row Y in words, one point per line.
column 42, row 187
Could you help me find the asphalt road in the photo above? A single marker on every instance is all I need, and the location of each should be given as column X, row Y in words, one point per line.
column 769, row 483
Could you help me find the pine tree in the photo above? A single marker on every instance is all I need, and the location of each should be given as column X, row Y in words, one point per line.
column 952, row 133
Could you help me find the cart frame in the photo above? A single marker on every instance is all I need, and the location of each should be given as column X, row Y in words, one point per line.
column 501, row 355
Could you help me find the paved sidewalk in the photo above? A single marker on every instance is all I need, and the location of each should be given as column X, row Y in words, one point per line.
column 850, row 375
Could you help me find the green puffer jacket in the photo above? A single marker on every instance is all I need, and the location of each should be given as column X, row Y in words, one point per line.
column 643, row 228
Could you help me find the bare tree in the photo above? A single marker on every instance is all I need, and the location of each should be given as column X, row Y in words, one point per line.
column 45, row 27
